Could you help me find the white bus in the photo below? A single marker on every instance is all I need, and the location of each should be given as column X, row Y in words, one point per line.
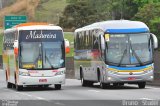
column 34, row 54
column 114, row 52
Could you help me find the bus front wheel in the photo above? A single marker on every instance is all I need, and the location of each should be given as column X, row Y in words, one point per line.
column 83, row 82
column 57, row 86
column 141, row 85
column 102, row 84
column 19, row 87
column 9, row 85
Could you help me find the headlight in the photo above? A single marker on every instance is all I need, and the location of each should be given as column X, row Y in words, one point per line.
column 112, row 72
column 148, row 71
column 60, row 73
column 24, row 73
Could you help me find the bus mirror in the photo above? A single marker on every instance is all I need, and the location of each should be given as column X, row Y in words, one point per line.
column 16, row 51
column 15, row 45
column 67, row 49
column 155, row 41
column 67, row 46
column 102, row 43
column 66, row 43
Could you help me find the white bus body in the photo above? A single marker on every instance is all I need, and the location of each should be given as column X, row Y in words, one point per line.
column 34, row 55
column 114, row 52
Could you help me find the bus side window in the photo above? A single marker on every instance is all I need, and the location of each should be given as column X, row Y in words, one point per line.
column 95, row 43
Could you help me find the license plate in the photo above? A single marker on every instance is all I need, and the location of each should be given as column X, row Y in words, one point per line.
column 42, row 80
column 131, row 78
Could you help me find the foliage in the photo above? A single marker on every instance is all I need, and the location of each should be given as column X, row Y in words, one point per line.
column 50, row 11
column 83, row 12
column 150, row 14
column 77, row 15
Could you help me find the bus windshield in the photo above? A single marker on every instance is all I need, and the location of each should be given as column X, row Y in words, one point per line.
column 129, row 49
column 41, row 53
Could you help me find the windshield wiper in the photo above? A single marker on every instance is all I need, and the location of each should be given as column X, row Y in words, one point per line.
column 135, row 54
column 125, row 51
column 46, row 58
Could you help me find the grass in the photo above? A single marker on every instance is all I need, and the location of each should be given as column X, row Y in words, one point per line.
column 50, row 11
column 70, row 37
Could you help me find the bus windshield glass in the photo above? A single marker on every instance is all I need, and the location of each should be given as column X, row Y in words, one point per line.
column 45, row 51
column 129, row 49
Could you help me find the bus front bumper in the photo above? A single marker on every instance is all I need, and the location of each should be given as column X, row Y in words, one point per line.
column 28, row 80
column 113, row 78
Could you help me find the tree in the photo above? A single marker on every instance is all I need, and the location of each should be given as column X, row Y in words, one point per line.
column 150, row 14
column 77, row 15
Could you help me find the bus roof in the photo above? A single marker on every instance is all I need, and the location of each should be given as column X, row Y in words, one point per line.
column 39, row 27
column 117, row 26
column 31, row 26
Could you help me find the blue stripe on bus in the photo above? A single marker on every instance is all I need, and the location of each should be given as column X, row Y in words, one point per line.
column 135, row 30
column 129, row 68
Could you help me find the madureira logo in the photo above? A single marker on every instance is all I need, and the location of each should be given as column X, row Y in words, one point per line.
column 35, row 35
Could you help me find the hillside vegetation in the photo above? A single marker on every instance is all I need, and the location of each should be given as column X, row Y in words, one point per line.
column 36, row 10
column 50, row 10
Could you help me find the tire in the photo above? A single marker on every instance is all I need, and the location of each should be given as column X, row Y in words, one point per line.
column 9, row 85
column 142, row 85
column 19, row 87
column 102, row 85
column 89, row 83
column 83, row 82
column 57, row 86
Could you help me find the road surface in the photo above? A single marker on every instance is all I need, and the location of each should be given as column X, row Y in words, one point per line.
column 73, row 94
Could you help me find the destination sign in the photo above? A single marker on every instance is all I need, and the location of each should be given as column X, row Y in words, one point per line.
column 40, row 35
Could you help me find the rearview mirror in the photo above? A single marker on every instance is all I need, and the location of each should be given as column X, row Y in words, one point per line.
column 66, row 43
column 155, row 41
column 67, row 48
column 15, row 45
column 102, row 43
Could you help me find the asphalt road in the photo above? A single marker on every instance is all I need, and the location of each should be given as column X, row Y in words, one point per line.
column 73, row 94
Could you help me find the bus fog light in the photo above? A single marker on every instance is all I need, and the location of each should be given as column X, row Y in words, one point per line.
column 151, row 77
column 60, row 73
column 24, row 73
column 112, row 72
column 109, row 78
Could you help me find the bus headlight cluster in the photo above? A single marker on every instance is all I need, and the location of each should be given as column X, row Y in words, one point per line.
column 109, row 78
column 147, row 71
column 151, row 77
column 112, row 72
column 24, row 73
column 60, row 73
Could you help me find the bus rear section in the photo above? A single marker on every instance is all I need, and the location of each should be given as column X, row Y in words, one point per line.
column 114, row 53
column 38, row 57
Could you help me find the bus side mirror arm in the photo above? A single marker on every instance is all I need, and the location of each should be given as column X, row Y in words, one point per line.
column 155, row 41
column 102, row 43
